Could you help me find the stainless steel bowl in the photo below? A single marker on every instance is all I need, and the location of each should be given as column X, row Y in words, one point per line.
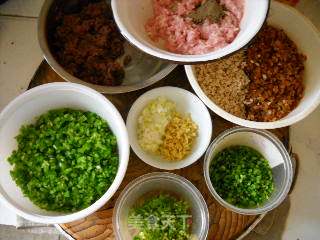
column 142, row 72
column 271, row 148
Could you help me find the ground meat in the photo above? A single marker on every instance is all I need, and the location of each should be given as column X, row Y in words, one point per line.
column 225, row 83
column 276, row 69
column 180, row 35
column 86, row 42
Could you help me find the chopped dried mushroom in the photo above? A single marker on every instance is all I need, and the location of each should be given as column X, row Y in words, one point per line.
column 263, row 83
column 275, row 68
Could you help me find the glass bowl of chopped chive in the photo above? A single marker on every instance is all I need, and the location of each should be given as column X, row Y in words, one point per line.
column 160, row 206
column 248, row 171
column 64, row 151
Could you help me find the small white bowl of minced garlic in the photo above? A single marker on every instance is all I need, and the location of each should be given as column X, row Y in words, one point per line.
column 169, row 128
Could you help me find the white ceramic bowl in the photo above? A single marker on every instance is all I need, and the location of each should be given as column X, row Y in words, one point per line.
column 186, row 103
column 131, row 16
column 307, row 38
column 35, row 102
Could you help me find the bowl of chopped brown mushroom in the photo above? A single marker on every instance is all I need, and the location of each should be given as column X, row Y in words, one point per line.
column 82, row 43
column 274, row 82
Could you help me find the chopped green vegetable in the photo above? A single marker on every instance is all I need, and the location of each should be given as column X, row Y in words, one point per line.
column 66, row 160
column 242, row 176
column 161, row 217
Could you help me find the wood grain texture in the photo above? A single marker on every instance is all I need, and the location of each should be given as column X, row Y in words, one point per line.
column 224, row 225
column 290, row 2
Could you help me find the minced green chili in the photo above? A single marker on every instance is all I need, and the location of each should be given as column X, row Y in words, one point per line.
column 242, row 176
column 66, row 160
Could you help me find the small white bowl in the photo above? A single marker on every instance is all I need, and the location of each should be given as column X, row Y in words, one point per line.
column 35, row 102
column 307, row 38
column 186, row 103
column 132, row 15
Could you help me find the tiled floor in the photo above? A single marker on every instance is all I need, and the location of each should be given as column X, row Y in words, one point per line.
column 11, row 233
column 19, row 57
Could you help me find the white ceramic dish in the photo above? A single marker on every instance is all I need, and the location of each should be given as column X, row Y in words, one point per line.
column 131, row 23
column 271, row 148
column 307, row 38
column 186, row 103
column 23, row 110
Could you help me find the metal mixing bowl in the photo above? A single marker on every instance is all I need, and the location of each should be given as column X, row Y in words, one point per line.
column 142, row 72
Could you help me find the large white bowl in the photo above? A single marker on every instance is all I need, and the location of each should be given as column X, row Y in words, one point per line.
column 307, row 38
column 132, row 15
column 186, row 102
column 23, row 110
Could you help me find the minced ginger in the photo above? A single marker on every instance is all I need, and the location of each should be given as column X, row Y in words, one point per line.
column 179, row 137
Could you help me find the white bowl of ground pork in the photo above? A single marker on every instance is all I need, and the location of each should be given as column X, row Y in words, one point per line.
column 307, row 38
column 132, row 17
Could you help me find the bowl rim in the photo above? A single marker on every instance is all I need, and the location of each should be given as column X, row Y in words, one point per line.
column 288, row 178
column 183, row 58
column 50, row 59
column 160, row 175
column 123, row 162
column 189, row 69
column 133, row 138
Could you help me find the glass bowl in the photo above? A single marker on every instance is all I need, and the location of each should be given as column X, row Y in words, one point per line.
column 161, row 182
column 271, row 148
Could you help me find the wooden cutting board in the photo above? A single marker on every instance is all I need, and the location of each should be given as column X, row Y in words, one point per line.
column 223, row 223
column 290, row 2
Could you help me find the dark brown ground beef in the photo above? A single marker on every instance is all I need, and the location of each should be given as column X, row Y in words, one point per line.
column 275, row 69
column 86, row 42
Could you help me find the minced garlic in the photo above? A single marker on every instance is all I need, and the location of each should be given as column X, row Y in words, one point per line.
column 152, row 123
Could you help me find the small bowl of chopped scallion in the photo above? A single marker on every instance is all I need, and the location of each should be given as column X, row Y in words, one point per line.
column 64, row 151
column 248, row 171
column 161, row 206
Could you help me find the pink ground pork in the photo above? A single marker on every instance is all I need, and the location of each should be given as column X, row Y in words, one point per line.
column 181, row 35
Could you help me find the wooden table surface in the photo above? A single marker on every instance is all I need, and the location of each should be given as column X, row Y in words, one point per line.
column 224, row 224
